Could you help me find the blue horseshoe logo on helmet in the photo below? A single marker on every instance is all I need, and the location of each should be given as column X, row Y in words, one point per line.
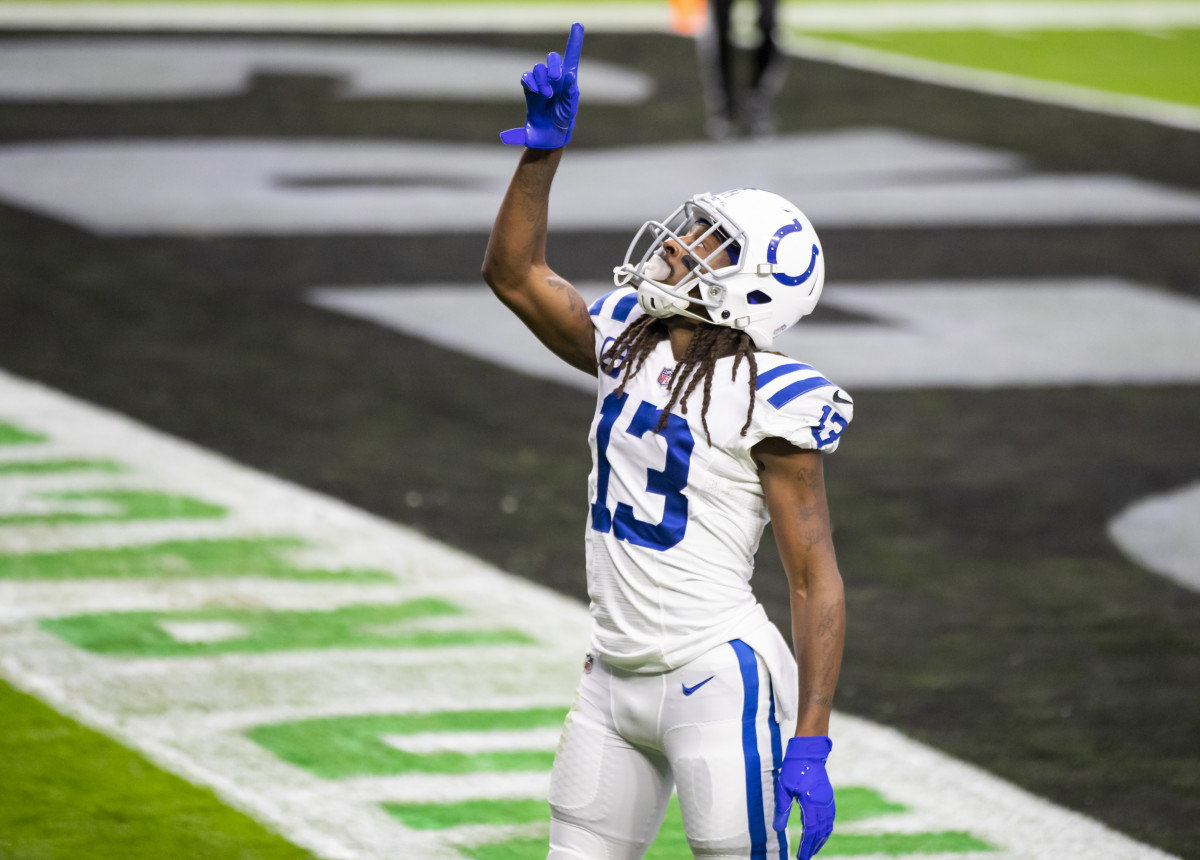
column 773, row 256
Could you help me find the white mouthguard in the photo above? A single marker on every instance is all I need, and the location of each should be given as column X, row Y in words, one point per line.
column 656, row 268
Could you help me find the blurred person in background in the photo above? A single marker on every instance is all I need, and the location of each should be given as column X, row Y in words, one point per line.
column 729, row 106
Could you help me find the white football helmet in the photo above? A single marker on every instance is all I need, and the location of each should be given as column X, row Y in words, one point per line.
column 774, row 278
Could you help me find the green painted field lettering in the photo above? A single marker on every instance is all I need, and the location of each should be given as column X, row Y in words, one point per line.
column 855, row 803
column 441, row 816
column 13, row 435
column 57, row 467
column 340, row 747
column 150, row 634
column 185, row 559
column 89, row 506
column 901, row 844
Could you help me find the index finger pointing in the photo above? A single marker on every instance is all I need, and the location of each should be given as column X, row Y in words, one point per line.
column 574, row 49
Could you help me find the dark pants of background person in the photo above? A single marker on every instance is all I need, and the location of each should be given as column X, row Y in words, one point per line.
column 726, row 104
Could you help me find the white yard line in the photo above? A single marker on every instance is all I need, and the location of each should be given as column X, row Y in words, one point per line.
column 190, row 714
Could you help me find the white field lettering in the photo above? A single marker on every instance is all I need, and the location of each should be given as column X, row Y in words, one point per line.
column 365, row 691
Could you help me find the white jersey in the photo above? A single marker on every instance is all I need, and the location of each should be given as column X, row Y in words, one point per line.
column 675, row 522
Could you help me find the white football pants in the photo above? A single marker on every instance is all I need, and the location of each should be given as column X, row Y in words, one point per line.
column 707, row 728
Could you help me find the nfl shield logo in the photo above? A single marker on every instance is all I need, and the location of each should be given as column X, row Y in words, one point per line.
column 587, row 664
column 664, row 377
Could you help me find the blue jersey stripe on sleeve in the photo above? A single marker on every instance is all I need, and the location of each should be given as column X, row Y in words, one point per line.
column 594, row 310
column 624, row 307
column 783, row 369
column 620, row 311
column 784, row 396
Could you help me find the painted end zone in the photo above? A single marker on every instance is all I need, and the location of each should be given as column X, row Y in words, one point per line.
column 362, row 690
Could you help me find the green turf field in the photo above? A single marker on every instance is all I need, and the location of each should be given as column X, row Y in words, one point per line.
column 1157, row 65
column 70, row 792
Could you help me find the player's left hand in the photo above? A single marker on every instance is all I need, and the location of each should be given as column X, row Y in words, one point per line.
column 803, row 778
column 551, row 98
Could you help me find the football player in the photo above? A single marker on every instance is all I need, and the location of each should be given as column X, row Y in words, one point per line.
column 701, row 435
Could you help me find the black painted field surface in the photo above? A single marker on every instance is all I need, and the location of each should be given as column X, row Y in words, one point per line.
column 990, row 615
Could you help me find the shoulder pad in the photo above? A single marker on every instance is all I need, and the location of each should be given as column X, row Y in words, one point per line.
column 797, row 403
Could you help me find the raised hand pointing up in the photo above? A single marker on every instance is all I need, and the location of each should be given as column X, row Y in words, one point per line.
column 551, row 98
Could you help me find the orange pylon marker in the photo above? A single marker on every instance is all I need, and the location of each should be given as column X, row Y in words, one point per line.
column 688, row 17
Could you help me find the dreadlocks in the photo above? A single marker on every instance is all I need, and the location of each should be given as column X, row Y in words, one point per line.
column 709, row 343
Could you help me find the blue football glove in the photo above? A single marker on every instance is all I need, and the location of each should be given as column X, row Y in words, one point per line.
column 803, row 777
column 551, row 99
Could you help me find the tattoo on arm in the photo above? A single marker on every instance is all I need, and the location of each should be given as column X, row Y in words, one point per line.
column 828, row 626
column 575, row 303
column 809, row 476
column 831, row 633
column 562, row 286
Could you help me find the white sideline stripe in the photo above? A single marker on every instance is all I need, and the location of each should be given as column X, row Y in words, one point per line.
column 319, row 684
column 475, row 742
column 229, row 720
column 616, row 17
column 445, row 788
column 994, row 83
column 190, row 716
column 1162, row 533
column 380, row 659
column 30, row 599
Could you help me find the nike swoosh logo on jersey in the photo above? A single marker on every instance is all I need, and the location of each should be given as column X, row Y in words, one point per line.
column 687, row 691
column 837, row 398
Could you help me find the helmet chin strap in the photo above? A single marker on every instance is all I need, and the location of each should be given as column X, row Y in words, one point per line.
column 658, row 298
column 658, row 302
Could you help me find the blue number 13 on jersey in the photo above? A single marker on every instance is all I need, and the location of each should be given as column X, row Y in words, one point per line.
column 668, row 482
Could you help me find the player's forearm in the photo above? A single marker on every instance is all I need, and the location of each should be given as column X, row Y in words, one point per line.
column 819, row 632
column 518, row 242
